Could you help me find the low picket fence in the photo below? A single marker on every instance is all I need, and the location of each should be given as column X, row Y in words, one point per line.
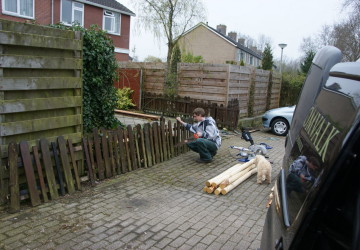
column 51, row 169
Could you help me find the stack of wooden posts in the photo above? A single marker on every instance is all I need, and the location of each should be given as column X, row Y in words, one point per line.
column 230, row 178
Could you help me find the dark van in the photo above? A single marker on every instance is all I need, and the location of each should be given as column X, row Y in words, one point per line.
column 316, row 202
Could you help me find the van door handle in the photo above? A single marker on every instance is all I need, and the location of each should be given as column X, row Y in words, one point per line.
column 279, row 244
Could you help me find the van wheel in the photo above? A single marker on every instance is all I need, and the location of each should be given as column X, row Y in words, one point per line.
column 279, row 127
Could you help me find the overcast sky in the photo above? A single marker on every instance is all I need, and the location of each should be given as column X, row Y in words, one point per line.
column 284, row 21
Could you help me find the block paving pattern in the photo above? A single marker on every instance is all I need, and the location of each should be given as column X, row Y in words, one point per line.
column 162, row 207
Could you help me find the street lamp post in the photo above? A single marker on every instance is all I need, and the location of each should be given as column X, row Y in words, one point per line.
column 282, row 46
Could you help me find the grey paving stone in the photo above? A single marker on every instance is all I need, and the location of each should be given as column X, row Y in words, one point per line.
column 155, row 208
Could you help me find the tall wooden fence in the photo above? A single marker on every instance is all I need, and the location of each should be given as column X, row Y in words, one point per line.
column 41, row 87
column 50, row 169
column 256, row 90
column 162, row 105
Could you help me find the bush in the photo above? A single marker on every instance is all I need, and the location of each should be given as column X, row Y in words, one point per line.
column 291, row 88
column 124, row 100
column 99, row 74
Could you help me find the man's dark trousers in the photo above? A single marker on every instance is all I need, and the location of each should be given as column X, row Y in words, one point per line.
column 206, row 148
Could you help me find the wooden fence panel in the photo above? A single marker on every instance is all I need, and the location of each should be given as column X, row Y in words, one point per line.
column 41, row 87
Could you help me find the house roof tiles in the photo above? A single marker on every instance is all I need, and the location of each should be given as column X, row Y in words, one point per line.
column 112, row 4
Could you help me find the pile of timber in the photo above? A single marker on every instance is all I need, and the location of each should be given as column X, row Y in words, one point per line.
column 230, row 178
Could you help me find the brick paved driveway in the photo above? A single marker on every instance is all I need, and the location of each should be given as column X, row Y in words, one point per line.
column 162, row 207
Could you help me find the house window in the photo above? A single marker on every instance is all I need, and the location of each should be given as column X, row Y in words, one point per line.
column 251, row 60
column 22, row 8
column 111, row 22
column 72, row 12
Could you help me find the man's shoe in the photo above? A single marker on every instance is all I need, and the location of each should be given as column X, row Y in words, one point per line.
column 203, row 161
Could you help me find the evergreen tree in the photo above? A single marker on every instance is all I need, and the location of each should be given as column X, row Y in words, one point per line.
column 306, row 64
column 267, row 61
column 175, row 59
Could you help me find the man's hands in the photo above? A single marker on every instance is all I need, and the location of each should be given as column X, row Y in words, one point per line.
column 179, row 120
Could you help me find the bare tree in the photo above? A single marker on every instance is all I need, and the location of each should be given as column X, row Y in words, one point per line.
column 347, row 37
column 325, row 37
column 169, row 18
column 263, row 40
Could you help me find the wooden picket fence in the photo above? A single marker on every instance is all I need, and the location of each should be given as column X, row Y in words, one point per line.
column 225, row 116
column 48, row 170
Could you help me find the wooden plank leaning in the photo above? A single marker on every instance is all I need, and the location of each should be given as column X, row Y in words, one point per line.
column 137, row 148
column 91, row 155
column 116, row 153
column 111, row 154
column 58, row 168
column 122, row 153
column 65, row 164
column 40, row 173
column 105, row 151
column 132, row 147
column 99, row 160
column 13, row 178
column 147, row 144
column 88, row 162
column 50, row 176
column 74, row 165
column 29, row 172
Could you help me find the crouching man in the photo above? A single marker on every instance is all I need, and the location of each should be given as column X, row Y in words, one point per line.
column 209, row 140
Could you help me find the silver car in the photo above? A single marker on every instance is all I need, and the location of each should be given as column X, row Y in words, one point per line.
column 278, row 120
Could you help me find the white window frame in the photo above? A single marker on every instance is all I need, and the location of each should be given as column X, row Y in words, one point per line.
column 73, row 8
column 18, row 10
column 106, row 14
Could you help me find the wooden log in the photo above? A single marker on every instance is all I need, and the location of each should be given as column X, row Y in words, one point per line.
column 227, row 173
column 58, row 168
column 29, row 172
column 40, row 173
column 143, row 116
column 105, row 151
column 74, row 165
column 238, row 181
column 99, row 160
column 218, row 191
column 236, row 176
column 13, row 178
column 65, row 164
column 210, row 190
column 50, row 176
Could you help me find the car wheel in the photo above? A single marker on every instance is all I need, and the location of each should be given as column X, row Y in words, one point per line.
column 279, row 126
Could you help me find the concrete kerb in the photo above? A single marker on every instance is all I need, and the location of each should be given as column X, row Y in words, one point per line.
column 161, row 207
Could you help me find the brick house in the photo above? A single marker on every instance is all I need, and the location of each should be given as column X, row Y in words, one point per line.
column 109, row 15
column 217, row 47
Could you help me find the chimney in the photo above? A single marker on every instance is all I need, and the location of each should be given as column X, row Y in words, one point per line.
column 253, row 48
column 232, row 35
column 221, row 28
column 241, row 41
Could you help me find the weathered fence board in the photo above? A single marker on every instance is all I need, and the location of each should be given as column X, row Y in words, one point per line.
column 41, row 89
